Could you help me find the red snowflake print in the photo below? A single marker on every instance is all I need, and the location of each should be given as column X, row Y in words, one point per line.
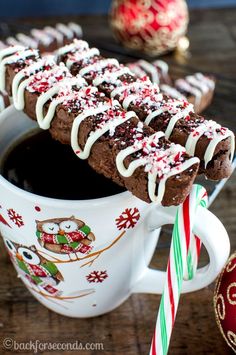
column 97, row 276
column 15, row 217
column 128, row 218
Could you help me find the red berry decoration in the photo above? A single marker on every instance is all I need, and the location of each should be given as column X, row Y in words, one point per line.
column 152, row 26
column 225, row 302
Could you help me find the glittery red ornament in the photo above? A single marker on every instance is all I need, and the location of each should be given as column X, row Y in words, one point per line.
column 153, row 26
column 225, row 302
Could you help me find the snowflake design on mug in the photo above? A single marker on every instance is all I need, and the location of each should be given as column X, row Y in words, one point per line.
column 15, row 217
column 128, row 218
column 97, row 276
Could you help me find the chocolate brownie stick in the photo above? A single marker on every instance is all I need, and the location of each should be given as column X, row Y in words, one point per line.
column 115, row 142
column 197, row 88
column 47, row 39
column 158, row 71
column 207, row 140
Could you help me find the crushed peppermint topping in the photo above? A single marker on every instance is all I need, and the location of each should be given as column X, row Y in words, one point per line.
column 46, row 62
column 209, row 129
column 137, row 70
column 108, row 71
column 44, row 80
column 214, row 130
column 137, row 132
column 100, row 70
column 146, row 92
column 87, row 97
column 80, row 44
column 85, row 57
column 75, row 46
column 111, row 116
column 157, row 158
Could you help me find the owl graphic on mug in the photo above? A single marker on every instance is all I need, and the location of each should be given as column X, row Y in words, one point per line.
column 65, row 235
column 34, row 268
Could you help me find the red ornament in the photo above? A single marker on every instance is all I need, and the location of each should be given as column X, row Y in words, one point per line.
column 225, row 302
column 153, row 26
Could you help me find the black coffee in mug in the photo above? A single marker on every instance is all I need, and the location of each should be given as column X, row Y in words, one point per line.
column 39, row 164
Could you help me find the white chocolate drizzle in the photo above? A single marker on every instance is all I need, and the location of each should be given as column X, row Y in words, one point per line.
column 143, row 67
column 19, row 55
column 94, row 136
column 182, row 84
column 196, row 85
column 11, row 41
column 27, row 41
column 197, row 133
column 42, row 36
column 131, row 86
column 19, row 86
column 163, row 67
column 43, row 80
column 127, row 101
column 157, row 163
column 76, row 29
column 209, row 153
column 76, row 46
column 136, row 70
column 172, row 92
column 215, row 133
column 154, row 97
column 98, row 66
column 3, row 45
column 154, row 114
column 208, row 81
column 78, row 56
column 65, row 30
column 111, row 76
column 9, row 51
column 212, row 130
column 55, row 34
column 192, row 80
column 44, row 121
column 131, row 91
column 150, row 69
column 175, row 118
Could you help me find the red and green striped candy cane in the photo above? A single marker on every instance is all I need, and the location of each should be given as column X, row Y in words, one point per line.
column 184, row 252
column 197, row 197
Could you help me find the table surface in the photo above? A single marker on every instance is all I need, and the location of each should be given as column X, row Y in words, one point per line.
column 129, row 328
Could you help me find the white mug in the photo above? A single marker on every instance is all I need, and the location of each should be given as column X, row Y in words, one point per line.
column 84, row 258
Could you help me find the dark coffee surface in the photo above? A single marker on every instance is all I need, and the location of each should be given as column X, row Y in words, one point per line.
column 38, row 164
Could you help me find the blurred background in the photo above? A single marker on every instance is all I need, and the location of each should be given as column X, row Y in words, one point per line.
column 24, row 8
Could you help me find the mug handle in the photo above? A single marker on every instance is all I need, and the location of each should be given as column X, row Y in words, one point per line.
column 212, row 234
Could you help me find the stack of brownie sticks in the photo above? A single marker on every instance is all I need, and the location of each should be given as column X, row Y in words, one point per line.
column 126, row 129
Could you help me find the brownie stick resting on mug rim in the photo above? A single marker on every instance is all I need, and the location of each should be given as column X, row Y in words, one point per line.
column 207, row 140
column 114, row 141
